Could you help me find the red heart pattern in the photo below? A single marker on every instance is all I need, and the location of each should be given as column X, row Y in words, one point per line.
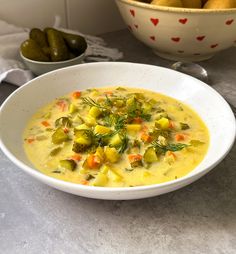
column 132, row 12
column 154, row 21
column 201, row 38
column 175, row 39
column 229, row 22
column 183, row 21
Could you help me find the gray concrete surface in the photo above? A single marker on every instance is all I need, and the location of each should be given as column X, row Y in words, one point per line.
column 198, row 219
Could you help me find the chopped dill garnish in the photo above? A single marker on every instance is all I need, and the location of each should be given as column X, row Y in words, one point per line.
column 90, row 102
column 169, row 147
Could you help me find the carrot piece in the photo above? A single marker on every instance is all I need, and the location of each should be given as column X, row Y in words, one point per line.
column 45, row 123
column 137, row 120
column 144, row 128
column 62, row 105
column 170, row 153
column 135, row 157
column 30, row 140
column 93, row 161
column 76, row 94
column 66, row 130
column 146, row 138
column 179, row 137
column 171, row 124
column 108, row 92
column 84, row 182
column 76, row 157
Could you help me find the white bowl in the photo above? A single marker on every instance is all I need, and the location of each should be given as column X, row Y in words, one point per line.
column 213, row 109
column 180, row 34
column 39, row 67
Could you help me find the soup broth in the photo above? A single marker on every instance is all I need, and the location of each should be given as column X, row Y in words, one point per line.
column 116, row 137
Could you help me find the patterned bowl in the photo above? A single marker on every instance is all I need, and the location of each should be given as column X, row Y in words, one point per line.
column 180, row 34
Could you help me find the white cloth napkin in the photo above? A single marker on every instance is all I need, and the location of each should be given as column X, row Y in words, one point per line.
column 13, row 70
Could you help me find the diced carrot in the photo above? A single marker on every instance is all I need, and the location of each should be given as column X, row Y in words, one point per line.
column 76, row 94
column 170, row 153
column 76, row 157
column 108, row 92
column 66, row 130
column 30, row 140
column 45, row 123
column 171, row 124
column 137, row 120
column 135, row 157
column 146, row 138
column 93, row 161
column 84, row 182
column 144, row 128
column 61, row 104
column 179, row 137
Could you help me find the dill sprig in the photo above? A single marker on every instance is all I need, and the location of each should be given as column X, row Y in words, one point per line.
column 169, row 147
column 90, row 102
column 108, row 101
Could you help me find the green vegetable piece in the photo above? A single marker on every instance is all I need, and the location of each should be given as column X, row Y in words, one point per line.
column 80, row 148
column 39, row 36
column 58, row 48
column 63, row 122
column 46, row 51
column 121, row 88
column 56, row 171
column 30, row 49
column 55, row 151
column 136, row 164
column 157, row 132
column 147, row 107
column 184, row 126
column 76, row 43
column 68, row 164
column 59, row 136
column 84, row 137
column 150, row 155
column 83, row 140
column 196, row 142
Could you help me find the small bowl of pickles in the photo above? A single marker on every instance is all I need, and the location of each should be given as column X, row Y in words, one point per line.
column 50, row 49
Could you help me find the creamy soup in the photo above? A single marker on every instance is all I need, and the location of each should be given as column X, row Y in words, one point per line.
column 116, row 137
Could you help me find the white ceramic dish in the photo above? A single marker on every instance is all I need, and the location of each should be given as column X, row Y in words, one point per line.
column 180, row 34
column 213, row 109
column 39, row 68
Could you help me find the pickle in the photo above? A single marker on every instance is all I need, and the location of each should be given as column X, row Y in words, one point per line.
column 150, row 155
column 58, row 48
column 76, row 43
column 68, row 164
column 59, row 136
column 39, row 36
column 30, row 49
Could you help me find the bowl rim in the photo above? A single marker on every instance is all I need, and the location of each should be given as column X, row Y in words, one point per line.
column 90, row 189
column 81, row 56
column 176, row 9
